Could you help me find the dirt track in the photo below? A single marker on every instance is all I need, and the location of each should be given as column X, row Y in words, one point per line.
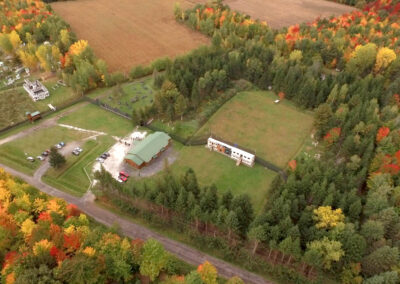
column 126, row 33
column 282, row 13
column 46, row 123
column 133, row 230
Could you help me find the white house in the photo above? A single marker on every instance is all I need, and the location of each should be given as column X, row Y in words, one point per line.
column 36, row 90
column 239, row 155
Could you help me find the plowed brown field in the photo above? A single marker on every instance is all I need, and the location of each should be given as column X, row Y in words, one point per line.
column 282, row 13
column 126, row 33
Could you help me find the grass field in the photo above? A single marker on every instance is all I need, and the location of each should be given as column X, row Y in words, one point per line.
column 13, row 153
column 15, row 102
column 252, row 119
column 283, row 13
column 211, row 167
column 126, row 33
column 72, row 177
column 93, row 117
column 133, row 95
column 184, row 129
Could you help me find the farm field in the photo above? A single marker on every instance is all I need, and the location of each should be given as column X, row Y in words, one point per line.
column 283, row 13
column 15, row 102
column 72, row 177
column 126, row 33
column 92, row 117
column 252, row 119
column 13, row 153
column 212, row 167
column 130, row 96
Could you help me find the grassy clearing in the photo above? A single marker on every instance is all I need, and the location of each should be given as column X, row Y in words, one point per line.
column 252, row 119
column 13, row 153
column 132, row 96
column 95, row 118
column 72, row 177
column 184, row 129
column 14, row 103
column 211, row 167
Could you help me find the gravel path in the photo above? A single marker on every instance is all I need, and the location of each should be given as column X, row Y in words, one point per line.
column 132, row 230
column 45, row 123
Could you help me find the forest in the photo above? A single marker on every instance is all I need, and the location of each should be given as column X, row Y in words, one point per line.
column 45, row 240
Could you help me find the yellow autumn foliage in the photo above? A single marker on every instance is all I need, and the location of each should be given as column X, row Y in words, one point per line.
column 78, row 47
column 208, row 273
column 27, row 227
column 328, row 218
column 42, row 246
column 384, row 57
column 14, row 39
column 89, row 251
column 29, row 60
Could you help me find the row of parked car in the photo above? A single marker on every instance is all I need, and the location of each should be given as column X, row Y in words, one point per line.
column 45, row 153
column 103, row 157
column 77, row 151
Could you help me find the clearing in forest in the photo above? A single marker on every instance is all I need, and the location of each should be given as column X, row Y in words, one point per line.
column 252, row 120
column 283, row 13
column 126, row 33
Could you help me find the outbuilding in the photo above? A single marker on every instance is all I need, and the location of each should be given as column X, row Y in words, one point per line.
column 33, row 116
column 147, row 150
column 241, row 156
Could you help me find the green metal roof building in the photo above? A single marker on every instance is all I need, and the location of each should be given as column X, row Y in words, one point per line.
column 143, row 152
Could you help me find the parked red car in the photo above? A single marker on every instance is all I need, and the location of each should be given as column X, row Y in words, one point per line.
column 124, row 174
column 123, row 178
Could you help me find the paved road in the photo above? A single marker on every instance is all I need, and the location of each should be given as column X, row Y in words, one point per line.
column 133, row 230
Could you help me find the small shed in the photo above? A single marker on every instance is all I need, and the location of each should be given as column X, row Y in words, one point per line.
column 33, row 116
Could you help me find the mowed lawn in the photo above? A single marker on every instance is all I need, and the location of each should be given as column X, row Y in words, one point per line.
column 72, row 177
column 93, row 117
column 252, row 119
column 14, row 153
column 212, row 167
column 283, row 13
column 126, row 33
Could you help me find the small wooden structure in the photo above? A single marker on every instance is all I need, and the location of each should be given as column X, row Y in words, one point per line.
column 33, row 116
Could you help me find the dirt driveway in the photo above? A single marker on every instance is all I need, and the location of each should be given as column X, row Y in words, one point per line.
column 45, row 123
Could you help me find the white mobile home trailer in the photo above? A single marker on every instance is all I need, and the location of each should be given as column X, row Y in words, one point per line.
column 235, row 153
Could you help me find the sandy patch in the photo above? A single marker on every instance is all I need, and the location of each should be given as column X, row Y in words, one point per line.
column 115, row 163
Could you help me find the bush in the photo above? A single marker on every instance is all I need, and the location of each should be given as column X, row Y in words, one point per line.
column 139, row 71
column 158, row 80
column 160, row 64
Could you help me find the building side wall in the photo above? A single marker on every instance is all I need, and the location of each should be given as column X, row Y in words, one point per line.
column 236, row 154
column 145, row 164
